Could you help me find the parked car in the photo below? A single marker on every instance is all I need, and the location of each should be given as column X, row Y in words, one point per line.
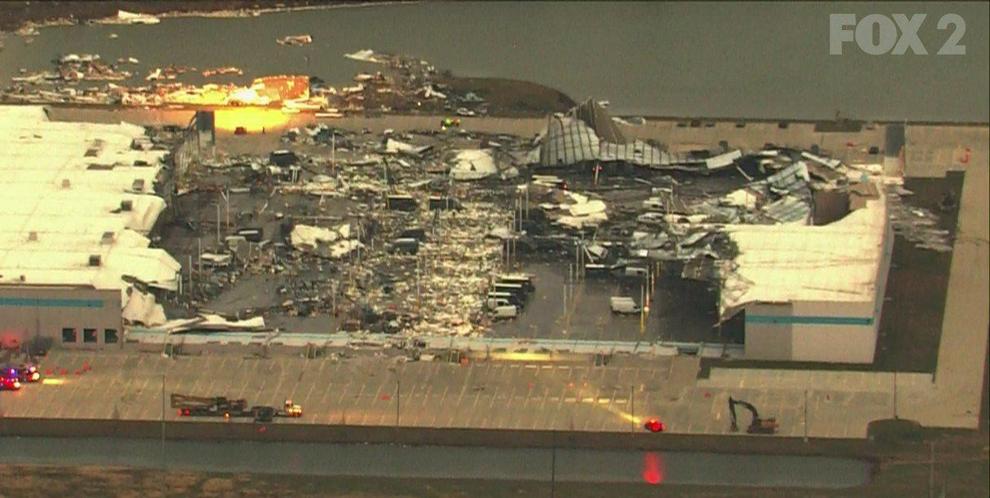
column 623, row 305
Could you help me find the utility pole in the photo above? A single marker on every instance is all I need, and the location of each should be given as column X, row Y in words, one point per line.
column 577, row 258
column 642, row 308
column 632, row 409
column 553, row 464
column 527, row 202
column 931, row 469
column 163, row 436
column 218, row 224
column 226, row 200
column 398, row 397
column 565, row 298
column 895, row 394
column 190, row 266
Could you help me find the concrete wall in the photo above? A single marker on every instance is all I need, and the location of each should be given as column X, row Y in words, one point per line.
column 205, row 429
column 768, row 341
column 28, row 311
column 836, row 332
column 846, row 340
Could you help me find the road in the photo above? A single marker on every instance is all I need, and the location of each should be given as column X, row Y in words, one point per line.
column 440, row 462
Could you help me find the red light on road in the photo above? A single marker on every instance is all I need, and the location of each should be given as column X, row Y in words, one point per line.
column 653, row 471
column 654, row 425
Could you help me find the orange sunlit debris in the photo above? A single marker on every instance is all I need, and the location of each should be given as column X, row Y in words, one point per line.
column 252, row 119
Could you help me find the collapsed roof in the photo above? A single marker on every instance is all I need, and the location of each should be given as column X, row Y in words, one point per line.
column 795, row 262
column 588, row 133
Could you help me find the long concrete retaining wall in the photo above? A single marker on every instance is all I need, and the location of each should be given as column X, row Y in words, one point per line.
column 343, row 434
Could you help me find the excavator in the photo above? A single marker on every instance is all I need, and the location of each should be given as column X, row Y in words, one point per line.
column 757, row 425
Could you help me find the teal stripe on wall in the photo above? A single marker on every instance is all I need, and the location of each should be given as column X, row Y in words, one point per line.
column 808, row 320
column 41, row 302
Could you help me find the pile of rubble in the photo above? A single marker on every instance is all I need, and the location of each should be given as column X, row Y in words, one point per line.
column 385, row 233
column 917, row 225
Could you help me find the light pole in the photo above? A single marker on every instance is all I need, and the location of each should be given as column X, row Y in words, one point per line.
column 931, row 469
column 642, row 308
column 163, row 435
column 218, row 224
column 632, row 409
column 398, row 397
column 553, row 464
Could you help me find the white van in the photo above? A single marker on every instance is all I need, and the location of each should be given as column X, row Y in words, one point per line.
column 496, row 302
column 505, row 312
column 623, row 305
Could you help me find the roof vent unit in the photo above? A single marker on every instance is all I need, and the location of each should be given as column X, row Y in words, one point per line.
column 126, row 205
column 32, row 236
column 94, row 260
column 107, row 238
column 66, row 183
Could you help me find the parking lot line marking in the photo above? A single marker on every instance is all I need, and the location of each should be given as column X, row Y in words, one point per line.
column 439, row 407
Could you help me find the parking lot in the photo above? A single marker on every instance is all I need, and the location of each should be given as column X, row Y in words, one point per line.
column 525, row 394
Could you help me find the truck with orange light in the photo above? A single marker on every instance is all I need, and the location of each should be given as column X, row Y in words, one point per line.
column 220, row 406
column 217, row 406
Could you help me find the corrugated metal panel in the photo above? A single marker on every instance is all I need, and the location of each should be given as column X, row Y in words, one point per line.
column 568, row 141
column 637, row 152
column 793, row 179
column 790, row 209
column 599, row 120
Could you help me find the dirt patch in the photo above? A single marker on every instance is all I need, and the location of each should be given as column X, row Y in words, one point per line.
column 911, row 321
column 512, row 98
column 14, row 14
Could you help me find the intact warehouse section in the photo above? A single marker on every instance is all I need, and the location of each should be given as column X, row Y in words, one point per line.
column 812, row 293
column 75, row 257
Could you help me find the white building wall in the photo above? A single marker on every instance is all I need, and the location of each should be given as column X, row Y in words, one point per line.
column 833, row 332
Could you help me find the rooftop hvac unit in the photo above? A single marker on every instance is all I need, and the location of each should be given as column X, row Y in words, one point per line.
column 107, row 238
column 126, row 205
column 94, row 260
column 138, row 185
column 66, row 183
column 32, row 236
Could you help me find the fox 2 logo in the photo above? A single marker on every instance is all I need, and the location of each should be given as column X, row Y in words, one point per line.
column 877, row 34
